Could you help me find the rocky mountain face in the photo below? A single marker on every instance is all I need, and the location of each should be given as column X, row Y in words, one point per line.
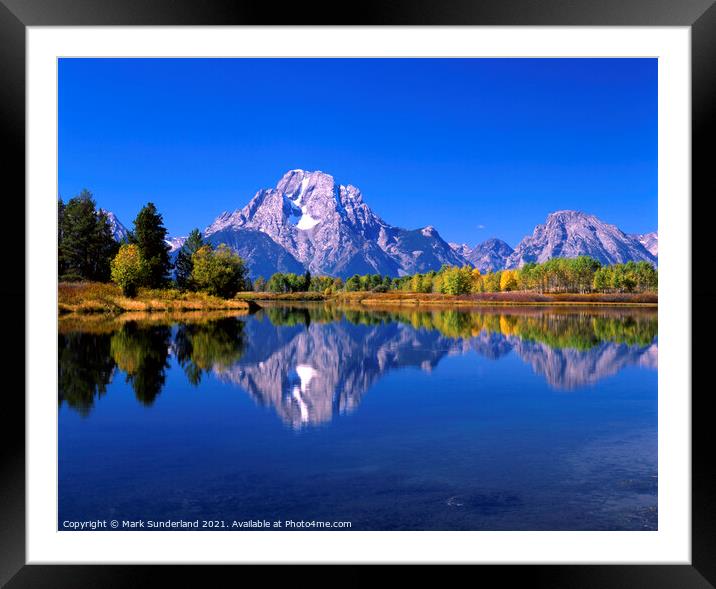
column 649, row 240
column 570, row 234
column 329, row 229
column 119, row 231
column 488, row 256
column 461, row 248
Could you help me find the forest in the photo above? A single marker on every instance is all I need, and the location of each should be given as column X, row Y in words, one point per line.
column 558, row 275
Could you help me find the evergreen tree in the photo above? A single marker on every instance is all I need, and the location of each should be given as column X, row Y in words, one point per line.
column 149, row 235
column 86, row 246
column 60, row 216
column 183, row 264
column 103, row 249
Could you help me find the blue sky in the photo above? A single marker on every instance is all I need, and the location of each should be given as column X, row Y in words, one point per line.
column 478, row 148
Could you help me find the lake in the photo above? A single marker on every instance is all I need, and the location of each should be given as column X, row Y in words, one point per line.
column 496, row 418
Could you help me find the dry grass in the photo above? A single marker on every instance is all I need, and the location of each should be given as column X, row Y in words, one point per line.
column 496, row 298
column 282, row 296
column 97, row 297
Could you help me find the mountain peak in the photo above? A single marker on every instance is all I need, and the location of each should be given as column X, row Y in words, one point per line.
column 490, row 255
column 329, row 229
column 119, row 231
column 569, row 234
column 569, row 215
column 292, row 181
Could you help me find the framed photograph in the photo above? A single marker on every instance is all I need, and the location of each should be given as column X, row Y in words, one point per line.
column 415, row 289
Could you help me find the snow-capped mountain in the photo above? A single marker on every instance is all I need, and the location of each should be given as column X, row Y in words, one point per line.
column 649, row 240
column 570, row 234
column 488, row 256
column 328, row 229
column 119, row 231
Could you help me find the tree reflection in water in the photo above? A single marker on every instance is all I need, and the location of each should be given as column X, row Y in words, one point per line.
column 312, row 362
column 141, row 353
column 85, row 369
column 200, row 348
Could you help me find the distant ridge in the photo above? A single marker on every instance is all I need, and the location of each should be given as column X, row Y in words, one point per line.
column 488, row 256
column 569, row 234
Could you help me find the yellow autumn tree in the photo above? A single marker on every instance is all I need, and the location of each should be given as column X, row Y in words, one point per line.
column 476, row 281
column 508, row 280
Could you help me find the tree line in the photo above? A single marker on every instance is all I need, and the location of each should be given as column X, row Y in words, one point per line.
column 87, row 250
column 583, row 274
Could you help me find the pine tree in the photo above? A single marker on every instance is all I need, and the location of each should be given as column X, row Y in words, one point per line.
column 183, row 263
column 149, row 235
column 86, row 246
column 60, row 215
column 103, row 248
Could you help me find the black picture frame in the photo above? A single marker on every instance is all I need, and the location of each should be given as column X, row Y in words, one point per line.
column 16, row 15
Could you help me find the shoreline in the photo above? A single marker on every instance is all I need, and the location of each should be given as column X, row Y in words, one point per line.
column 95, row 298
column 85, row 298
column 487, row 299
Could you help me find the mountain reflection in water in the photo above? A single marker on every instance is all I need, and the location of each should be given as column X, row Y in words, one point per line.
column 311, row 363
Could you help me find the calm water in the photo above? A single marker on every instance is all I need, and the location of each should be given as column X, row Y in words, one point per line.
column 518, row 419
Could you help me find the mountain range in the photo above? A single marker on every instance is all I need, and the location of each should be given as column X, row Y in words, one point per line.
column 309, row 222
column 568, row 234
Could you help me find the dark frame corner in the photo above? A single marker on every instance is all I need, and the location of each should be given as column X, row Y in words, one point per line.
column 16, row 15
